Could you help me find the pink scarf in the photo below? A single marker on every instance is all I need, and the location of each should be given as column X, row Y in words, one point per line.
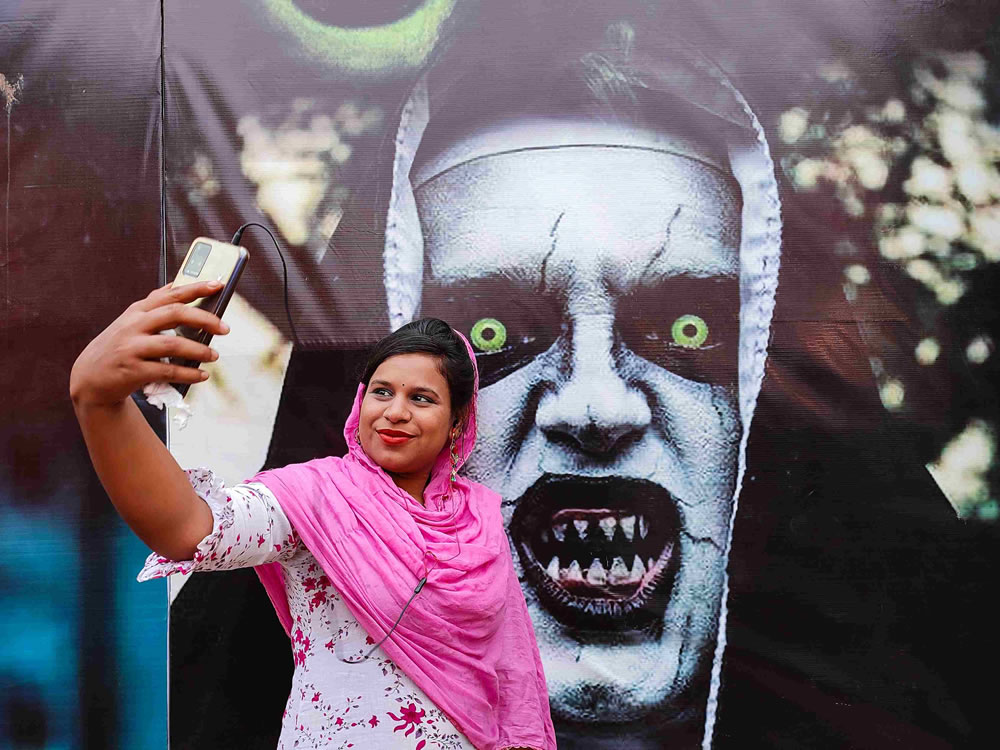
column 466, row 639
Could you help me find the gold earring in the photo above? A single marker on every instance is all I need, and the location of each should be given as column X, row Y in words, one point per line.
column 454, row 455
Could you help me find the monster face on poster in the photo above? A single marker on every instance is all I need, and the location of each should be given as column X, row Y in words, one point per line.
column 587, row 193
column 591, row 239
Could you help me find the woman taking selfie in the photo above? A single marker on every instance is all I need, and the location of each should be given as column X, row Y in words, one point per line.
column 389, row 570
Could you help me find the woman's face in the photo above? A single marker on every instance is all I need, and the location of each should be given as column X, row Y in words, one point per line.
column 607, row 282
column 406, row 414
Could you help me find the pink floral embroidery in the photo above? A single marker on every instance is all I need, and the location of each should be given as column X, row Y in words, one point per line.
column 310, row 718
column 318, row 598
column 410, row 718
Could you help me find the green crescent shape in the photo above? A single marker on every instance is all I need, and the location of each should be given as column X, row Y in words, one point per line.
column 405, row 43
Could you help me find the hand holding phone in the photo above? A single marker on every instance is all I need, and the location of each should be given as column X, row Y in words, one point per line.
column 130, row 351
column 208, row 260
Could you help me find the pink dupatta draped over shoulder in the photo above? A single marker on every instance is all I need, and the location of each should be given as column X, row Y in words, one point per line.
column 466, row 639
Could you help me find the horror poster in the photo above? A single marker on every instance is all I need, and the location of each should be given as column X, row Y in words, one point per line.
column 729, row 274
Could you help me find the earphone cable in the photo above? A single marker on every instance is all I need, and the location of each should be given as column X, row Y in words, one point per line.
column 284, row 268
column 420, row 585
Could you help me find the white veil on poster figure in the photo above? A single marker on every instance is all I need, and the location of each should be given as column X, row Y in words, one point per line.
column 612, row 251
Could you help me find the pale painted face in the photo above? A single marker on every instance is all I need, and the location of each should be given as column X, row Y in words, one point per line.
column 406, row 415
column 608, row 407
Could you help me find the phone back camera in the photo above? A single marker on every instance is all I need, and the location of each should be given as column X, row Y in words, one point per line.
column 196, row 261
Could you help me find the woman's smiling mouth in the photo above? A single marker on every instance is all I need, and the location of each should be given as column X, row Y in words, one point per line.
column 394, row 437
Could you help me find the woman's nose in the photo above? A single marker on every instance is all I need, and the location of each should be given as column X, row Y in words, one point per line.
column 397, row 410
column 592, row 408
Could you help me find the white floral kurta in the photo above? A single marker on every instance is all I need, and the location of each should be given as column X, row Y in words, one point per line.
column 333, row 703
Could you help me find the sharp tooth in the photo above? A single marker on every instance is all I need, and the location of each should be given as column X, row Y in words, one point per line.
column 607, row 525
column 559, row 530
column 545, row 536
column 619, row 572
column 628, row 526
column 573, row 572
column 596, row 575
column 649, row 564
column 643, row 527
column 581, row 528
column 553, row 569
column 638, row 570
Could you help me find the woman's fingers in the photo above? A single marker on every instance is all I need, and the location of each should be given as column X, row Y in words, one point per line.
column 164, row 372
column 156, row 347
column 175, row 314
column 169, row 294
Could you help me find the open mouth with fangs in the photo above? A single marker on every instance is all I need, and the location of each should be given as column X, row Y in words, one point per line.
column 601, row 552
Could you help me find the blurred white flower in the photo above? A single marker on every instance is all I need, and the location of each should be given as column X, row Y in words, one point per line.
column 857, row 274
column 808, row 171
column 979, row 349
column 792, row 124
column 978, row 181
column 960, row 471
column 927, row 351
column 905, row 243
column 894, row 111
column 954, row 133
column 962, row 95
column 967, row 64
column 294, row 164
column 943, row 221
column 860, row 135
column 928, row 179
column 949, row 291
column 892, row 394
column 923, row 270
column 984, row 236
column 871, row 168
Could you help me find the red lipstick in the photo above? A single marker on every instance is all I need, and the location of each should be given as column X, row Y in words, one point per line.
column 394, row 437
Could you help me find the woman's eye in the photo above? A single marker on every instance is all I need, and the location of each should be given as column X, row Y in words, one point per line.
column 488, row 335
column 689, row 332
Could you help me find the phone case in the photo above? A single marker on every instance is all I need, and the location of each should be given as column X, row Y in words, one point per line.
column 223, row 262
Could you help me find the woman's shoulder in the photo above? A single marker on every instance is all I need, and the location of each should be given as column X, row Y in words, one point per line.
column 315, row 465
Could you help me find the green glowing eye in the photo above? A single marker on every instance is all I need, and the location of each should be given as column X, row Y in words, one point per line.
column 403, row 44
column 488, row 335
column 689, row 331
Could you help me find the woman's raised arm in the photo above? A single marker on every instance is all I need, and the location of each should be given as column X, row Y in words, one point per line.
column 147, row 487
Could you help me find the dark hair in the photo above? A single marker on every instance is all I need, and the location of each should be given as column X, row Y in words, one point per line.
column 435, row 337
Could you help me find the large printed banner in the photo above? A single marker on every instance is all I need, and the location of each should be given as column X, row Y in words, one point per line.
column 729, row 270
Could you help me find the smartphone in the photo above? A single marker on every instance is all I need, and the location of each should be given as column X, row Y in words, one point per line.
column 208, row 260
